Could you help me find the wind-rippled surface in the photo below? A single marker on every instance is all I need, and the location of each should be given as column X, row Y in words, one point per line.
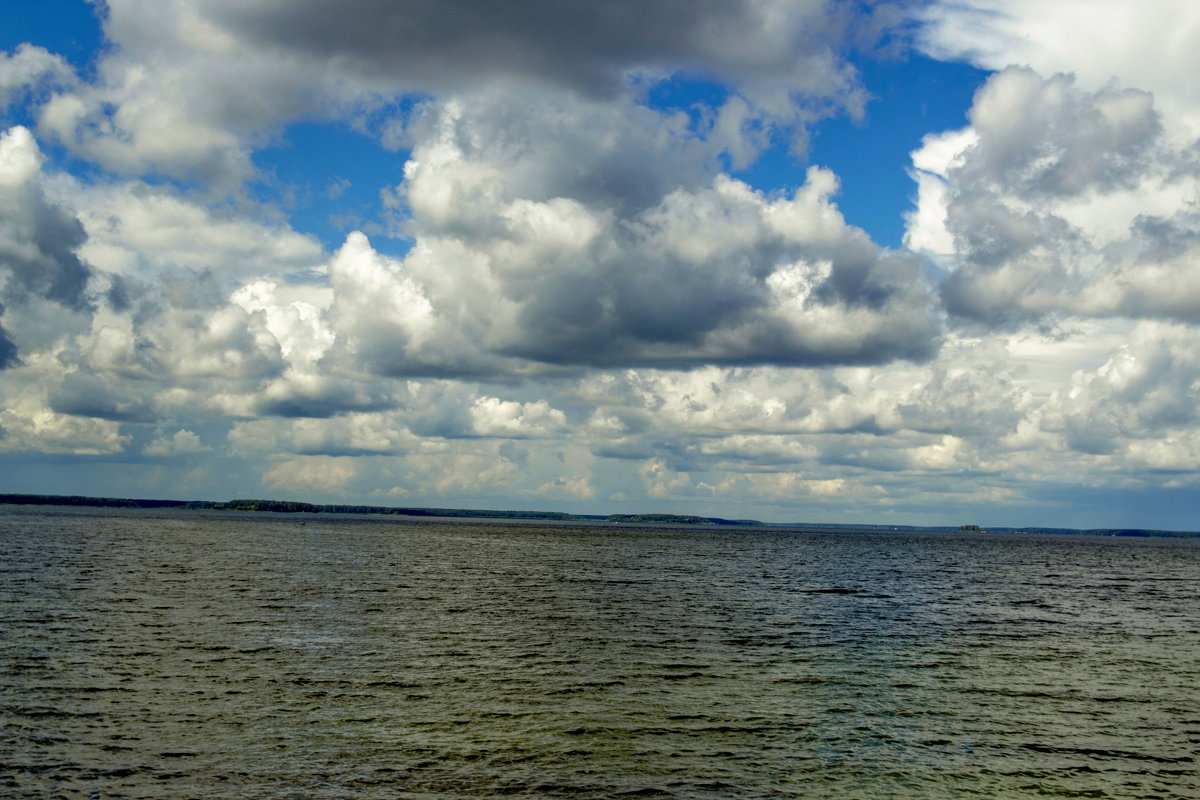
column 214, row 655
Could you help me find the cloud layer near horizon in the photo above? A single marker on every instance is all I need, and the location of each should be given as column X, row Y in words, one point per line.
column 590, row 309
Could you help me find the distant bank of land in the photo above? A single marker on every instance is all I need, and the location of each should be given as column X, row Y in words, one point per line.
column 292, row 506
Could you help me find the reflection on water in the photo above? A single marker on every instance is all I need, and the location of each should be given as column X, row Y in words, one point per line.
column 220, row 655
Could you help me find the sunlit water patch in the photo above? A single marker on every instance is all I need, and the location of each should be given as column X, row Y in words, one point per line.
column 153, row 655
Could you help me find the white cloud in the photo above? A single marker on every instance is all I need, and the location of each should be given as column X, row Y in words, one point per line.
column 38, row 239
column 782, row 486
column 29, row 70
column 43, row 431
column 1148, row 389
column 716, row 273
column 189, row 88
column 357, row 433
column 574, row 486
column 297, row 325
column 386, row 323
column 182, row 442
column 311, row 473
column 492, row 416
column 663, row 482
column 1094, row 40
column 29, row 424
column 946, row 454
column 141, row 231
column 1058, row 199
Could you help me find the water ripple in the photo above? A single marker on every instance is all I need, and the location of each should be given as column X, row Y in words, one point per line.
column 164, row 655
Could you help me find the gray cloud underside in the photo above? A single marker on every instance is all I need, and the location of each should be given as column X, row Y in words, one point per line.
column 588, row 45
column 8, row 349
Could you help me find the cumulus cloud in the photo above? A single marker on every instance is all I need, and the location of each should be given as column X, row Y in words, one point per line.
column 28, row 423
column 1047, row 138
column 738, row 402
column 716, row 274
column 661, row 481
column 190, row 87
column 1094, row 40
column 38, row 239
column 1073, row 190
column 138, row 230
column 1059, row 199
column 575, row 486
column 86, row 394
column 492, row 416
column 311, row 473
column 182, row 442
column 386, row 321
column 126, row 291
column 352, row 434
column 44, row 284
column 1148, row 389
column 538, row 245
column 780, row 485
column 38, row 429
column 30, row 70
column 981, row 401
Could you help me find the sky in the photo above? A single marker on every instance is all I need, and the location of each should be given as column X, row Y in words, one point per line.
column 927, row 262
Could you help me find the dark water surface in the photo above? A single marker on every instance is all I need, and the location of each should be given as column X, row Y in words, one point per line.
column 209, row 655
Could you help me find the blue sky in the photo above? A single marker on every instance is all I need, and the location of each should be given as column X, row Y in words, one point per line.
column 921, row 262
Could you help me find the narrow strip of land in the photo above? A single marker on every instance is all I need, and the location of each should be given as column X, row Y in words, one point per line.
column 293, row 506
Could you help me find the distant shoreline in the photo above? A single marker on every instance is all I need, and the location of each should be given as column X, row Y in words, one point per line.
column 292, row 506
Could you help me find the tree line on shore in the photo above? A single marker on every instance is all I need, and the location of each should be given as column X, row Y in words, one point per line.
column 294, row 506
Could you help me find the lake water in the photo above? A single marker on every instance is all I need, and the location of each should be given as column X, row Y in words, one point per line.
column 217, row 655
